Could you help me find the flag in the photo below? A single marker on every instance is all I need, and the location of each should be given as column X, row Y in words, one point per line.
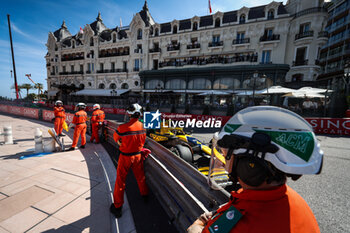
column 65, row 126
column 209, row 7
column 121, row 24
column 81, row 31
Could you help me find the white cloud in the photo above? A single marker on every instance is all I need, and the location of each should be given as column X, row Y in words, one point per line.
column 19, row 31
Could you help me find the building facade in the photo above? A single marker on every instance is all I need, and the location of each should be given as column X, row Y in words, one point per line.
column 192, row 59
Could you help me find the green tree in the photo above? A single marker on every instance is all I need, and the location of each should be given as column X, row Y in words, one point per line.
column 39, row 86
column 19, row 87
column 27, row 86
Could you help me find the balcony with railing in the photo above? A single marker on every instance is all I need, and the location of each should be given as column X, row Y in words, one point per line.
column 215, row 44
column 302, row 35
column 136, row 69
column 272, row 37
column 241, row 41
column 194, row 46
column 300, row 63
column 111, row 71
column 116, row 54
column 173, row 47
column 322, row 34
column 155, row 50
column 217, row 59
column 72, row 72
column 137, row 50
column 72, row 57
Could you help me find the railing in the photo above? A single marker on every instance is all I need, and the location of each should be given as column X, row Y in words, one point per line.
column 114, row 54
column 136, row 68
column 209, row 60
column 270, row 37
column 137, row 50
column 241, row 41
column 180, row 188
column 72, row 58
column 304, row 35
column 173, row 47
column 216, row 44
column 193, row 46
column 323, row 34
column 112, row 71
column 300, row 63
column 52, row 73
column 309, row 11
column 155, row 50
column 72, row 72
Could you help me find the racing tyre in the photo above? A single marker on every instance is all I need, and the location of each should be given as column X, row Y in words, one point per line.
column 183, row 152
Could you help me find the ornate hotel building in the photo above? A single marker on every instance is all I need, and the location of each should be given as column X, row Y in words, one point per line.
column 188, row 59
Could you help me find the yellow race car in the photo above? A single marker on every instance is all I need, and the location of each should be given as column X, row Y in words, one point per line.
column 189, row 149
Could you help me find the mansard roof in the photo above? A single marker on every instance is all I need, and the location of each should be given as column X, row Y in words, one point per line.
column 281, row 10
column 62, row 33
column 97, row 26
column 229, row 17
column 185, row 24
column 146, row 16
column 206, row 21
column 256, row 12
column 165, row 27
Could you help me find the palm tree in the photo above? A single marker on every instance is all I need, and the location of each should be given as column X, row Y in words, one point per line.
column 39, row 86
column 19, row 87
column 27, row 86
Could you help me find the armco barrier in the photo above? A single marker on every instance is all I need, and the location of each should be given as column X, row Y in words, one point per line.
column 181, row 189
column 20, row 111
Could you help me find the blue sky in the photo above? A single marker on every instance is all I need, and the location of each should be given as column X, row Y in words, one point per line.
column 32, row 20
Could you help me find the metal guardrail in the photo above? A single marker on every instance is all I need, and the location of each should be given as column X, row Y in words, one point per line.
column 181, row 189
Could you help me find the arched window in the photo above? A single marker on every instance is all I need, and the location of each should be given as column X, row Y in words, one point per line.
column 217, row 22
column 195, row 26
column 242, row 18
column 81, row 86
column 125, row 86
column 199, row 83
column 271, row 14
column 114, row 38
column 174, row 29
column 156, row 33
column 139, row 34
column 136, row 83
column 112, row 86
column 73, row 44
column 153, row 84
column 151, row 31
column 101, row 86
column 175, row 84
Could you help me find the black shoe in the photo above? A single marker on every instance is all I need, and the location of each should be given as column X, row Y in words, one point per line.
column 62, row 135
column 82, row 146
column 72, row 148
column 145, row 198
column 117, row 212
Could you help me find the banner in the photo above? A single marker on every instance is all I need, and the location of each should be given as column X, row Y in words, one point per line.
column 31, row 112
column 336, row 126
column 3, row 108
column 48, row 115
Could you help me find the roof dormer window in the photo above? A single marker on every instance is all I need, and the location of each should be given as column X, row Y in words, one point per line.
column 271, row 14
column 195, row 26
column 242, row 19
column 139, row 34
column 174, row 29
column 217, row 22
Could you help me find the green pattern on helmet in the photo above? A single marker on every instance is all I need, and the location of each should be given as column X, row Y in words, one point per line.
column 229, row 128
column 299, row 143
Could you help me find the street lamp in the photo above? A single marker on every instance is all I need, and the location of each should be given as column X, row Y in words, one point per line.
column 113, row 93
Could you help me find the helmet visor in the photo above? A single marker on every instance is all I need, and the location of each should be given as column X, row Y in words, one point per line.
column 218, row 177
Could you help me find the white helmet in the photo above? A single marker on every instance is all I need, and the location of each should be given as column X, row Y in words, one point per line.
column 134, row 108
column 80, row 106
column 96, row 106
column 276, row 135
column 58, row 102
